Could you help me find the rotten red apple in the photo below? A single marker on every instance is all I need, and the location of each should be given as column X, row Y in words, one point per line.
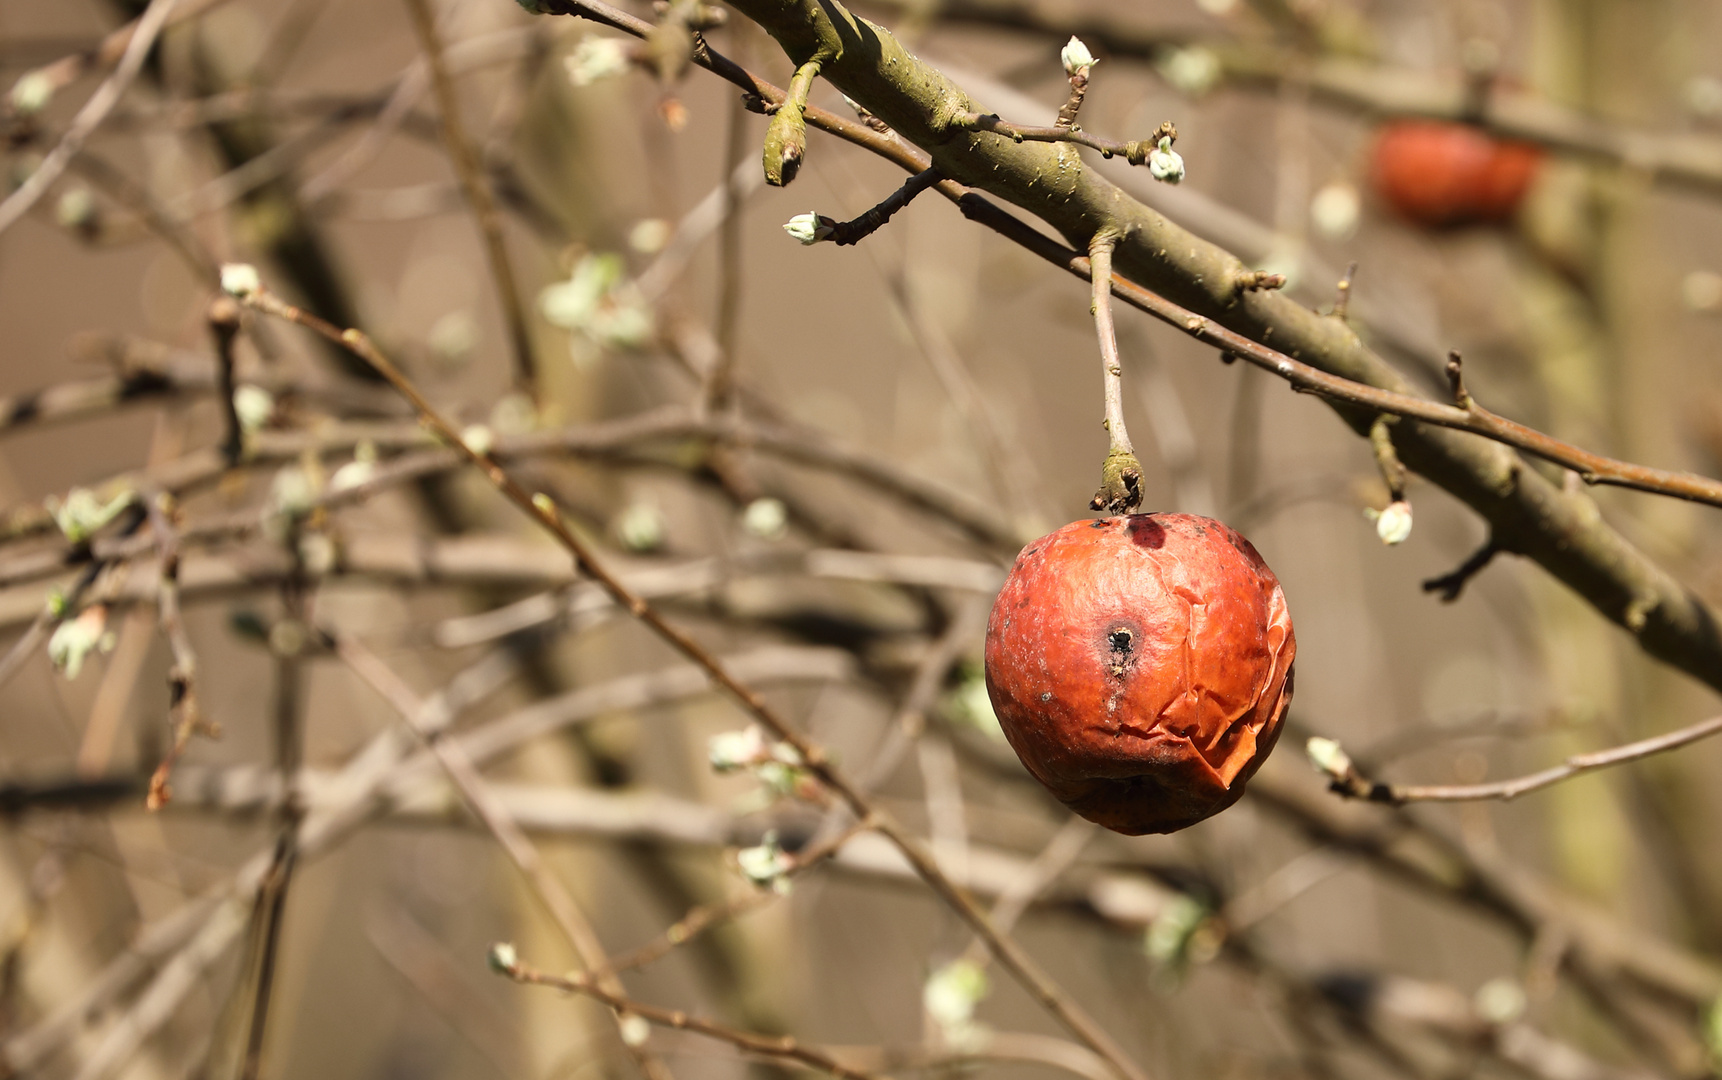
column 1441, row 174
column 1141, row 666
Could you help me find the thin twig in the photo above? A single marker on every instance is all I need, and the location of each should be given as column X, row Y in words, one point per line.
column 470, row 170
column 782, row 1047
column 464, row 774
column 702, row 918
column 95, row 110
column 223, row 319
column 1135, row 151
column 184, row 716
column 1121, row 476
column 844, row 233
column 543, row 511
column 1348, row 781
column 288, row 640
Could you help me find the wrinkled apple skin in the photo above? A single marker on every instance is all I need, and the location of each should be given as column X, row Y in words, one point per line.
column 1141, row 666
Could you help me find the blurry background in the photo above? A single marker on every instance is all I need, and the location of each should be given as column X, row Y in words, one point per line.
column 910, row 411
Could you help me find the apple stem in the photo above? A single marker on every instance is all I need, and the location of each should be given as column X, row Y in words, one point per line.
column 1121, row 476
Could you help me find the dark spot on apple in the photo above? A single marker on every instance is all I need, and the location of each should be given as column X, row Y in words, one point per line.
column 1046, row 695
column 1120, row 639
column 1100, row 523
column 1146, row 532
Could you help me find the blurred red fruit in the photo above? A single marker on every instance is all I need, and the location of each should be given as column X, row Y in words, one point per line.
column 1140, row 667
column 1440, row 174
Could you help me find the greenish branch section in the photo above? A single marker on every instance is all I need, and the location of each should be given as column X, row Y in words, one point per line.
column 1561, row 530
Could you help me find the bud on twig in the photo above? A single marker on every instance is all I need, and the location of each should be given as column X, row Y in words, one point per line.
column 1077, row 59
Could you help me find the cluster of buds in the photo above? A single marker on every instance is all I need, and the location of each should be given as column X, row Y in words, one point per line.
column 598, row 58
column 766, row 864
column 600, row 303
column 75, row 639
column 778, row 765
column 80, row 515
column 1183, row 934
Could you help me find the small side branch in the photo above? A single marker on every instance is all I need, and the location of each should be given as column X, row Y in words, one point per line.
column 1135, row 151
column 476, row 189
column 1342, row 293
column 1344, row 778
column 781, row 1047
column 786, row 136
column 185, row 718
column 1451, row 585
column 853, row 232
column 1386, row 458
column 1121, row 477
column 223, row 320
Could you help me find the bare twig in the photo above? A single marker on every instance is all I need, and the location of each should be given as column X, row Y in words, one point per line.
column 223, row 318
column 1347, row 780
column 543, row 511
column 473, row 185
column 520, row 849
column 857, row 229
column 90, row 117
column 1450, row 585
column 184, row 717
column 782, row 1047
column 1121, row 476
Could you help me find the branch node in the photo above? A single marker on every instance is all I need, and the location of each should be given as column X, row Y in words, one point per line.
column 1456, row 379
column 786, row 137
column 1342, row 297
column 1253, row 280
column 1120, row 484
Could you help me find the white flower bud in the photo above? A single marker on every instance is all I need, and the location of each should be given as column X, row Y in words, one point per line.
column 1168, row 938
column 1192, row 71
column 31, row 93
column 503, row 958
column 1328, row 757
column 950, row 996
column 734, row 750
column 808, row 228
column 292, row 494
column 353, row 474
column 1335, row 210
column 766, row 865
column 1393, row 524
column 75, row 639
column 81, row 515
column 1500, row 1001
column 253, row 405
column 766, row 518
column 241, row 280
column 1164, row 163
column 600, row 303
column 635, row 1030
column 597, row 58
column 640, row 527
column 453, row 337
column 76, row 209
column 479, row 439
column 648, row 237
column 1076, row 57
